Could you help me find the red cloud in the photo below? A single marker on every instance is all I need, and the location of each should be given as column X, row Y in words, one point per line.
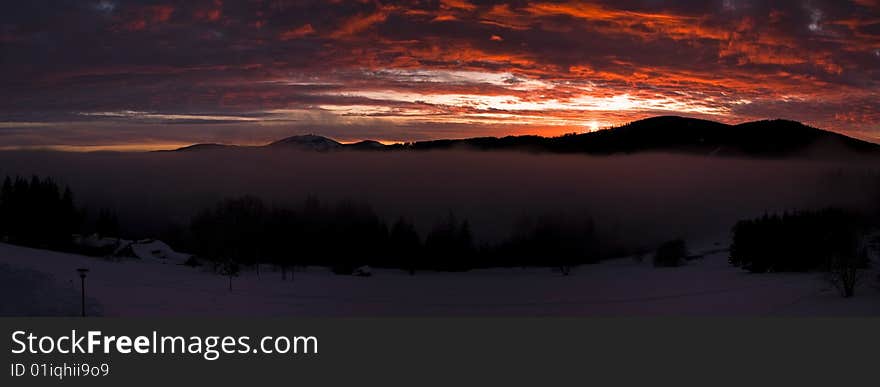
column 143, row 17
column 296, row 33
column 212, row 13
column 460, row 4
column 360, row 23
column 633, row 62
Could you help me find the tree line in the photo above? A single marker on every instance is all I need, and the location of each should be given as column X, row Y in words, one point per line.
column 349, row 234
column 829, row 240
column 795, row 241
column 38, row 212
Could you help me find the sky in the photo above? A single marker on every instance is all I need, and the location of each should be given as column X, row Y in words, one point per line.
column 132, row 74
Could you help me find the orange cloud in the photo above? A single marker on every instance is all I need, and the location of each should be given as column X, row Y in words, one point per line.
column 360, row 23
column 460, row 4
column 645, row 25
column 562, row 64
column 444, row 17
column 502, row 16
column 296, row 33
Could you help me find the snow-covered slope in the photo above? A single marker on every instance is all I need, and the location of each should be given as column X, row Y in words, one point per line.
column 28, row 292
column 42, row 282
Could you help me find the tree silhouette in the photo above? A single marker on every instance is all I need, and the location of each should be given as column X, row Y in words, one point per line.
column 404, row 246
column 847, row 263
column 283, row 241
column 231, row 231
column 798, row 241
column 229, row 268
column 348, row 234
column 37, row 213
column 449, row 245
column 554, row 240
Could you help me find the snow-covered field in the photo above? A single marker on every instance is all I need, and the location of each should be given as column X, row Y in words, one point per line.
column 37, row 282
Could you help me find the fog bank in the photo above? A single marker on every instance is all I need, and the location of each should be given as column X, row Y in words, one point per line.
column 638, row 198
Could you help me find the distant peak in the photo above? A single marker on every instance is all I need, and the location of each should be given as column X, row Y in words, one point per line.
column 201, row 147
column 303, row 138
column 775, row 122
column 667, row 120
column 309, row 141
column 366, row 144
column 767, row 138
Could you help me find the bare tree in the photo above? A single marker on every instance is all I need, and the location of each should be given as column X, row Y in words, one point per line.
column 230, row 269
column 846, row 271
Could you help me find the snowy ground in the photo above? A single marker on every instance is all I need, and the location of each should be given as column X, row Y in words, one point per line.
column 37, row 282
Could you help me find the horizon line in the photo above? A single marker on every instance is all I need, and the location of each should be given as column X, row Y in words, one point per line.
column 173, row 146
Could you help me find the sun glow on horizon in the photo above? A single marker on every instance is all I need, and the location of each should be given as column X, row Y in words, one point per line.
column 170, row 72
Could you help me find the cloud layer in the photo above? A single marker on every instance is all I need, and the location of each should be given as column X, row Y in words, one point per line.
column 156, row 73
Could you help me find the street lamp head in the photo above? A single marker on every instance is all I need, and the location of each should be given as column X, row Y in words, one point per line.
column 82, row 272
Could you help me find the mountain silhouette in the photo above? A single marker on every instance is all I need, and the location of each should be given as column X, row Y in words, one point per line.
column 769, row 138
column 365, row 145
column 203, row 147
column 307, row 142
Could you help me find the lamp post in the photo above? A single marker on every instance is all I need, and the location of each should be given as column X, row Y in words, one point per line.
column 82, row 282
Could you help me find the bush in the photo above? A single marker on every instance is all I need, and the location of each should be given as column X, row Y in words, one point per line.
column 671, row 253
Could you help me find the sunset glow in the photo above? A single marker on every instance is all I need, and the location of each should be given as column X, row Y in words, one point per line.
column 117, row 73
